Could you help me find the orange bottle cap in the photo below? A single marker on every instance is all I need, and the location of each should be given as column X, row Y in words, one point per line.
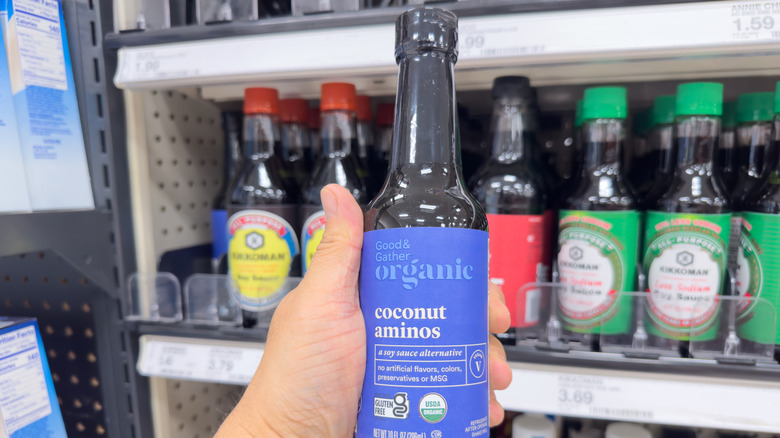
column 261, row 101
column 293, row 111
column 338, row 96
column 363, row 108
column 385, row 112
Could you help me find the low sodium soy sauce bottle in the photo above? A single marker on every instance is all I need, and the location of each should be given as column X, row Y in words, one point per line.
column 753, row 134
column 598, row 228
column 758, row 273
column 424, row 268
column 262, row 211
column 337, row 163
column 687, row 232
column 512, row 192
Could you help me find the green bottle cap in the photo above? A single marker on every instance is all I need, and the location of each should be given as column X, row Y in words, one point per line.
column 578, row 114
column 604, row 103
column 699, row 99
column 641, row 123
column 755, row 107
column 663, row 109
column 777, row 98
column 729, row 119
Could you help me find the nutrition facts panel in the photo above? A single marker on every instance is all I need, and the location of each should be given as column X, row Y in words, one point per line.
column 39, row 37
column 430, row 366
column 24, row 397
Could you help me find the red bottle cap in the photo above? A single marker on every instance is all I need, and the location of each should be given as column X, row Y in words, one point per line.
column 363, row 108
column 385, row 112
column 261, row 101
column 338, row 96
column 293, row 111
column 314, row 119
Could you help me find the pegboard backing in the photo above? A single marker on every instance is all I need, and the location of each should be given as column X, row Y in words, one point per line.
column 85, row 354
column 195, row 409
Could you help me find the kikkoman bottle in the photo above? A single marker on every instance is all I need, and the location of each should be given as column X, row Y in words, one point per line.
column 296, row 140
column 687, row 233
column 424, row 269
column 384, row 139
column 336, row 165
column 263, row 248
column 365, row 142
column 758, row 260
column 512, row 191
column 662, row 149
column 726, row 154
column 598, row 226
column 643, row 164
column 231, row 125
column 754, row 131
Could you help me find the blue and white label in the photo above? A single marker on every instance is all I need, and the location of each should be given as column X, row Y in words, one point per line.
column 424, row 296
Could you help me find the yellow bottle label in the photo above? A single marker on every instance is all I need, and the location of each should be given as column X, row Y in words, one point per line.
column 313, row 229
column 260, row 253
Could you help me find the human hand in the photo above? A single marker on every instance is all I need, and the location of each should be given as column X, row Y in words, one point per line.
column 309, row 381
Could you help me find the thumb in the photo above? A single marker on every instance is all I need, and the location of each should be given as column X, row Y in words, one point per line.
column 336, row 264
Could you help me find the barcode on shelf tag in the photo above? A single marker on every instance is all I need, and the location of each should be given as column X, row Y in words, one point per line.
column 644, row 397
column 181, row 358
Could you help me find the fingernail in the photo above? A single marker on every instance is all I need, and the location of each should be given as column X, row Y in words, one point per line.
column 329, row 203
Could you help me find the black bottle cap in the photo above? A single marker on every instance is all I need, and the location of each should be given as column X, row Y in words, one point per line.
column 426, row 29
column 513, row 86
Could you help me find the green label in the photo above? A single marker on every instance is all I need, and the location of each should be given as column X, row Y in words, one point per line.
column 597, row 260
column 758, row 277
column 685, row 262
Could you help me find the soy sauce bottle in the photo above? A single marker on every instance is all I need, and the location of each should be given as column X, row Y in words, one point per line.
column 423, row 274
column 598, row 227
column 231, row 125
column 758, row 273
column 365, row 143
column 262, row 211
column 687, row 232
column 662, row 146
column 315, row 122
column 337, row 163
column 726, row 155
column 753, row 134
column 512, row 192
column 296, row 140
column 385, row 112
column 643, row 163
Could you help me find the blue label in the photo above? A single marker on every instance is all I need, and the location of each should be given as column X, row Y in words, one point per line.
column 423, row 292
column 219, row 233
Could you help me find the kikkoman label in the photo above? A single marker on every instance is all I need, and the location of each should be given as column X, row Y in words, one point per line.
column 685, row 262
column 758, row 277
column 596, row 261
column 311, row 235
column 260, row 254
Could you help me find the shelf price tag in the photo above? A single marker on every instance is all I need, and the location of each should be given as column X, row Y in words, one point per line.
column 684, row 400
column 755, row 20
column 181, row 358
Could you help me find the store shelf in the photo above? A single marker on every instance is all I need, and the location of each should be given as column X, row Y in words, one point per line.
column 685, row 392
column 636, row 43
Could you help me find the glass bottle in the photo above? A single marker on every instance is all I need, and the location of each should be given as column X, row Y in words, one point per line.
column 384, row 141
column 336, row 165
column 687, row 232
column 598, row 227
column 643, row 163
column 511, row 190
column 231, row 125
column 365, row 142
column 424, row 277
column 296, row 140
column 758, row 273
column 662, row 146
column 263, row 247
column 753, row 135
column 726, row 154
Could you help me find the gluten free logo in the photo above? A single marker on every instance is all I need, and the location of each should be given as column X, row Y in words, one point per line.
column 396, row 407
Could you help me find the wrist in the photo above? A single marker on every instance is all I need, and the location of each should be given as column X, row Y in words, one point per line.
column 246, row 423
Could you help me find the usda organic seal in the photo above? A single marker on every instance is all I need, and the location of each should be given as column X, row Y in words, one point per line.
column 433, row 407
